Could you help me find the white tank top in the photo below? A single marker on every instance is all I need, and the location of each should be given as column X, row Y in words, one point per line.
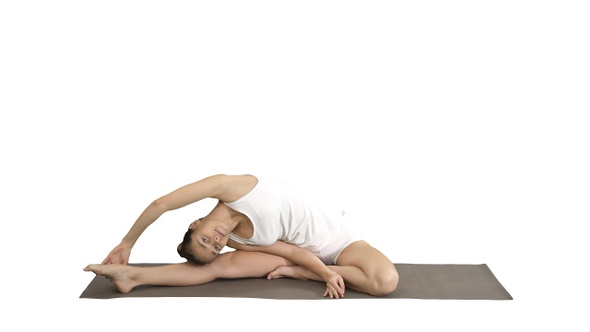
column 281, row 211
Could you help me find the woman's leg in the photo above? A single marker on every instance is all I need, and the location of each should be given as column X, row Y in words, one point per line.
column 363, row 268
column 233, row 264
column 366, row 269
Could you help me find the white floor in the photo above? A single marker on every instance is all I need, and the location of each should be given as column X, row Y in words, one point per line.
column 453, row 131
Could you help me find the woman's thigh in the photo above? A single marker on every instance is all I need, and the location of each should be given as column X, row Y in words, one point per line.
column 367, row 258
column 246, row 264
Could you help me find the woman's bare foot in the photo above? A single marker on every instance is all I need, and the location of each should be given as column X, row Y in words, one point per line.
column 121, row 275
column 293, row 272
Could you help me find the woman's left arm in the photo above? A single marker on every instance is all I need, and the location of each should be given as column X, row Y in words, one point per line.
column 305, row 258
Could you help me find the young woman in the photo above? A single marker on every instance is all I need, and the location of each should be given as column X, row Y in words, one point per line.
column 276, row 229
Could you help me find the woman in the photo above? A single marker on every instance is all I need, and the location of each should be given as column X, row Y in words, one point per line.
column 269, row 222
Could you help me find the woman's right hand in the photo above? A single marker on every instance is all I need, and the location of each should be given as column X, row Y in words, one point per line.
column 334, row 286
column 119, row 255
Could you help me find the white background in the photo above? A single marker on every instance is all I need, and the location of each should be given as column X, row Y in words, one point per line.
column 454, row 131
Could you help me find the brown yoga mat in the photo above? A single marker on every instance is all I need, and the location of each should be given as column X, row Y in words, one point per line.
column 417, row 281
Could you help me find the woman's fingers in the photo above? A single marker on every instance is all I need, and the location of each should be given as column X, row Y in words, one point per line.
column 337, row 287
column 333, row 292
column 342, row 286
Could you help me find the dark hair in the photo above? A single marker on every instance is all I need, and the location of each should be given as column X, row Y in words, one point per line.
column 184, row 249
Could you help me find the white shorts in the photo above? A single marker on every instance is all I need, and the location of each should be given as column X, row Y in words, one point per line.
column 347, row 234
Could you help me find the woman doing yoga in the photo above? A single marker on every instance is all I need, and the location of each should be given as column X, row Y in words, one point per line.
column 276, row 229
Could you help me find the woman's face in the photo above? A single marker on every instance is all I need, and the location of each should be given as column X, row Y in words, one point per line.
column 208, row 239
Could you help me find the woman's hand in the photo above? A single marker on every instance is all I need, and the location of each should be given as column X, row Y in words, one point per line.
column 304, row 258
column 334, row 286
column 119, row 255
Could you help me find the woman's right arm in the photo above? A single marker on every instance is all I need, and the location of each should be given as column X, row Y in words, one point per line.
column 303, row 257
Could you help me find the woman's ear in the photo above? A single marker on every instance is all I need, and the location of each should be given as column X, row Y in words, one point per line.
column 194, row 224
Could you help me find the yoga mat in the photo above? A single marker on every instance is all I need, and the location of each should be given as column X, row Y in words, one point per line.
column 417, row 281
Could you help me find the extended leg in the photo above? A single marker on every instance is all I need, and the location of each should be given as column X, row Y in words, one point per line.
column 234, row 264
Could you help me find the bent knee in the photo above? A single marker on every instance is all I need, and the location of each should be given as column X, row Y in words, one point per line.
column 385, row 282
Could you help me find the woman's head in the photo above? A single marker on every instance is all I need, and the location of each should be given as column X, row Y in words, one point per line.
column 184, row 249
column 203, row 241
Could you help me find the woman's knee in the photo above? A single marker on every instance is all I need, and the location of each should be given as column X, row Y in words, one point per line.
column 385, row 281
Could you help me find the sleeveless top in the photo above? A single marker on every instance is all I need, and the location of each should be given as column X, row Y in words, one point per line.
column 282, row 211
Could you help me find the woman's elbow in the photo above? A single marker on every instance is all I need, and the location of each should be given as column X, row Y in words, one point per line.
column 160, row 205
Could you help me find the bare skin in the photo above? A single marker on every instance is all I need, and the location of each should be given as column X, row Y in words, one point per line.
column 363, row 268
column 234, row 264
column 242, row 264
column 360, row 266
